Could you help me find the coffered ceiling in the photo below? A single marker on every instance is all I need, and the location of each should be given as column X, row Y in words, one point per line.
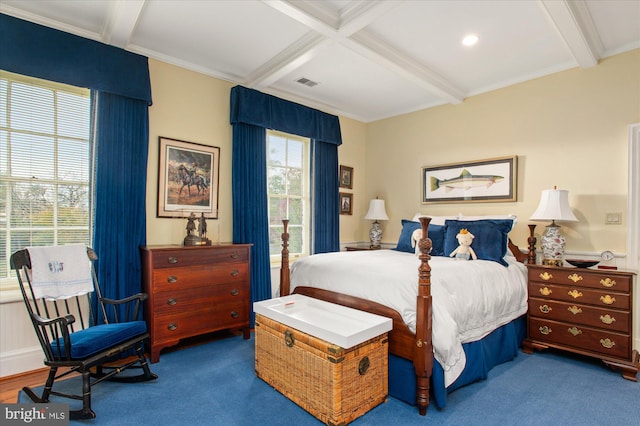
column 368, row 59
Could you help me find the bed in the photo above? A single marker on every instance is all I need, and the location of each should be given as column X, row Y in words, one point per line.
column 358, row 279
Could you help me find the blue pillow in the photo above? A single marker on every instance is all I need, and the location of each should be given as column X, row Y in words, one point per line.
column 436, row 233
column 491, row 237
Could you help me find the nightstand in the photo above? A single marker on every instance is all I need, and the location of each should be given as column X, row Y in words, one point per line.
column 359, row 248
column 585, row 311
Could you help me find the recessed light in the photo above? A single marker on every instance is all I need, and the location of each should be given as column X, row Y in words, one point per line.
column 470, row 40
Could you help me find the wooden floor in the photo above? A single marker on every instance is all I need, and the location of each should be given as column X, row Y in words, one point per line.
column 10, row 385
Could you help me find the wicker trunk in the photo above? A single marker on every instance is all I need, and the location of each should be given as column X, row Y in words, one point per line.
column 335, row 385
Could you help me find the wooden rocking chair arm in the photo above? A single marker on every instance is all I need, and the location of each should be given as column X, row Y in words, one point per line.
column 46, row 322
column 141, row 297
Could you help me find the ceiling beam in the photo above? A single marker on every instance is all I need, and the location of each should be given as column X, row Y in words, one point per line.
column 346, row 30
column 575, row 25
column 293, row 57
column 121, row 21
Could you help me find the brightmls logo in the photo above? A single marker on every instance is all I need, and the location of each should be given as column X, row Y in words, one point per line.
column 35, row 414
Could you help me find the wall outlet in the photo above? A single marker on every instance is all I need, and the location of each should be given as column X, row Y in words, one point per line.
column 613, row 218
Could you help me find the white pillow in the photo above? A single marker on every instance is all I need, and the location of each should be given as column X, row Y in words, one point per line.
column 439, row 220
column 493, row 216
column 435, row 220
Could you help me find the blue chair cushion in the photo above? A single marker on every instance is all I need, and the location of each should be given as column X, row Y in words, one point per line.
column 98, row 338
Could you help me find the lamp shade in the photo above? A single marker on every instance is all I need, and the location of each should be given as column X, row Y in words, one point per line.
column 376, row 210
column 554, row 205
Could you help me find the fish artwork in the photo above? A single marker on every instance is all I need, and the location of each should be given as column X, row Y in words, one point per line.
column 465, row 181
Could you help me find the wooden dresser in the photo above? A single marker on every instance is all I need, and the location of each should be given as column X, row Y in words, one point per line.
column 195, row 290
column 586, row 311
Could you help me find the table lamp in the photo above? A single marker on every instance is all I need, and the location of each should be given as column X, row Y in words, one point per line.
column 554, row 205
column 376, row 212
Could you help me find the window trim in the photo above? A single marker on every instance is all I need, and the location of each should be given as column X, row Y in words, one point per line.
column 275, row 258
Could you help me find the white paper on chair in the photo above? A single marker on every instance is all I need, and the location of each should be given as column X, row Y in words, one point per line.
column 60, row 272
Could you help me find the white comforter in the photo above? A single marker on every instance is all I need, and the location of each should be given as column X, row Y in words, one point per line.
column 470, row 298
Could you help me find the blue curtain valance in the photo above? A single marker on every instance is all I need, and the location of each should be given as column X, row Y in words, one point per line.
column 250, row 106
column 37, row 51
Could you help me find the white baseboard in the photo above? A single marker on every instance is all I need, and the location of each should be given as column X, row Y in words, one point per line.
column 16, row 362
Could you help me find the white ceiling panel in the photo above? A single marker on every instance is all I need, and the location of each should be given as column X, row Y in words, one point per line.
column 345, row 83
column 372, row 59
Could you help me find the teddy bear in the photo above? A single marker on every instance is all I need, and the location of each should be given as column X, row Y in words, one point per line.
column 464, row 250
column 416, row 236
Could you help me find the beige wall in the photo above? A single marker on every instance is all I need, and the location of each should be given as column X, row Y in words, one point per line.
column 568, row 129
column 194, row 107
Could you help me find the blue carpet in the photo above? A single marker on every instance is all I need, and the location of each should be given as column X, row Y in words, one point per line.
column 215, row 384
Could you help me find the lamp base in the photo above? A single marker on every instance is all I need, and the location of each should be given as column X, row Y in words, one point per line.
column 375, row 234
column 552, row 262
column 552, row 243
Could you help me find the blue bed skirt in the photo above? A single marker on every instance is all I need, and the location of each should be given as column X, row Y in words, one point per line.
column 500, row 346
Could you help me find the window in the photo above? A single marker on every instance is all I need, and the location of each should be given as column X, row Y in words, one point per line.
column 288, row 183
column 44, row 166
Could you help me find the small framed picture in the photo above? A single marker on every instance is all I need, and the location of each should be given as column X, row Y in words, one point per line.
column 346, row 203
column 346, row 177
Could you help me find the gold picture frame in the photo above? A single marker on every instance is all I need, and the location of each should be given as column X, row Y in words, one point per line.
column 346, row 177
column 346, row 203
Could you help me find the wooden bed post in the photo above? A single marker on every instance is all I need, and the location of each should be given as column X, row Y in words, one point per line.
column 285, row 274
column 531, row 256
column 423, row 359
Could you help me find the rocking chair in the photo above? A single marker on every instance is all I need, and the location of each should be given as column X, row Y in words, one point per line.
column 68, row 329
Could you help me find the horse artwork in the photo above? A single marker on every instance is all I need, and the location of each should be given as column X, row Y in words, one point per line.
column 188, row 179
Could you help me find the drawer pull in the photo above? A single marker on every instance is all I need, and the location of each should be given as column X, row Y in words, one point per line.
column 545, row 330
column 545, row 309
column 172, row 279
column 575, row 277
column 546, row 276
column 235, row 292
column 574, row 310
column 171, row 302
column 235, row 255
column 575, row 293
column 608, row 300
column 575, row 331
column 172, row 260
column 235, row 273
column 234, row 314
column 608, row 282
column 545, row 291
column 607, row 319
column 607, row 343
column 172, row 326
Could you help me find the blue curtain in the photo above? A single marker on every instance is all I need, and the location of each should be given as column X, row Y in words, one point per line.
column 252, row 112
column 249, row 187
column 326, row 205
column 120, row 134
column 41, row 52
column 121, row 142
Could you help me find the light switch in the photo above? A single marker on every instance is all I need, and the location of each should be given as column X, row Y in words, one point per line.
column 613, row 218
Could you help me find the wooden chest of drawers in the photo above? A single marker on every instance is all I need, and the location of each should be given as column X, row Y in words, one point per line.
column 586, row 311
column 195, row 290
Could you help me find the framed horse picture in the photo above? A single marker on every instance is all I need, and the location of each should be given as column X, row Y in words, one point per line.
column 188, row 176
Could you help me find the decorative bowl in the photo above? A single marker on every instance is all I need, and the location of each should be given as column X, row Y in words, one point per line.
column 582, row 263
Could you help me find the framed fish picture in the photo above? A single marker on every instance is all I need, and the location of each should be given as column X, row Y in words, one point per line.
column 490, row 180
